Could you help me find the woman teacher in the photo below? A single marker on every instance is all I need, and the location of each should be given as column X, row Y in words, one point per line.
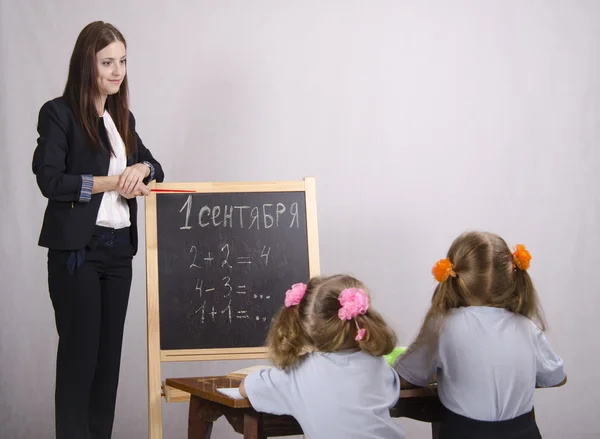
column 91, row 165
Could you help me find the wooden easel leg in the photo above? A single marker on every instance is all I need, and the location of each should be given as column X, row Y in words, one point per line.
column 253, row 426
column 198, row 427
column 435, row 430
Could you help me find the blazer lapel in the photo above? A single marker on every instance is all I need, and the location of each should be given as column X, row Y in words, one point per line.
column 104, row 156
column 132, row 158
column 104, row 162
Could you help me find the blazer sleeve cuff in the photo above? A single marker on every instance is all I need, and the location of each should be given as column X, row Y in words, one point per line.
column 85, row 193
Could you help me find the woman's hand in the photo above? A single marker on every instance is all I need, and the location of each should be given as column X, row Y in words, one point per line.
column 132, row 179
column 142, row 191
column 105, row 184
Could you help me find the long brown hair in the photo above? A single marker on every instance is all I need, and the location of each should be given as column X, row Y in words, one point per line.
column 314, row 324
column 485, row 276
column 82, row 92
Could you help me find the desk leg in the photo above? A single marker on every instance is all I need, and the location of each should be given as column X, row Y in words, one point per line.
column 253, row 426
column 435, row 430
column 200, row 422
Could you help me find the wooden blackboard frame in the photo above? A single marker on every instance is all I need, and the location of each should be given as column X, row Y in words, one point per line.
column 156, row 356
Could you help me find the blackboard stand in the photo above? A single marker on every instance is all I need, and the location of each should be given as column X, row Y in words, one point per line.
column 156, row 355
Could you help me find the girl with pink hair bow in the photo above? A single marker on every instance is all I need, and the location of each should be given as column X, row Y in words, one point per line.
column 327, row 343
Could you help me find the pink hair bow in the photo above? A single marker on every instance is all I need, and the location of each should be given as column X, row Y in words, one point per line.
column 294, row 295
column 354, row 302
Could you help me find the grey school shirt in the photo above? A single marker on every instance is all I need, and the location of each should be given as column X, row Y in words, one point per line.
column 345, row 395
column 488, row 363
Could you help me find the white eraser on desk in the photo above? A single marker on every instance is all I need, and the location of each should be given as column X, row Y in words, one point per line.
column 232, row 392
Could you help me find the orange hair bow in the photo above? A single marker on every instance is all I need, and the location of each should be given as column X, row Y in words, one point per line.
column 442, row 269
column 521, row 257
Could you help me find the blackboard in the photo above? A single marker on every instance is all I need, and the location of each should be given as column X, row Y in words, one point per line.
column 201, row 239
column 225, row 261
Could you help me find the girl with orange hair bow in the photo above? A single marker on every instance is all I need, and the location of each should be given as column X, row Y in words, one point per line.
column 480, row 339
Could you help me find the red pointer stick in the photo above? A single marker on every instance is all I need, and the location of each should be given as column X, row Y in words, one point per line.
column 171, row 190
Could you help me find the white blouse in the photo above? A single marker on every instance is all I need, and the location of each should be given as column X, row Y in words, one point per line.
column 114, row 211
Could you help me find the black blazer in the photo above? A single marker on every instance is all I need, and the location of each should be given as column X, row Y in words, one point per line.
column 62, row 155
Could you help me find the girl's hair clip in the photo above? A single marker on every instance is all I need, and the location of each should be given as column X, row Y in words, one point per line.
column 521, row 257
column 294, row 295
column 354, row 302
column 443, row 269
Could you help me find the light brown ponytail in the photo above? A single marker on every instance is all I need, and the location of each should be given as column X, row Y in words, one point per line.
column 286, row 340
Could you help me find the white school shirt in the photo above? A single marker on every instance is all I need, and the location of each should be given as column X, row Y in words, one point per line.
column 488, row 363
column 341, row 395
column 114, row 211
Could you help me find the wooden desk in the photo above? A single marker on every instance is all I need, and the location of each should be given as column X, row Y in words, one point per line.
column 207, row 405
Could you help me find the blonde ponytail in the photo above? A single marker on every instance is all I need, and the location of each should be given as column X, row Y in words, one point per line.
column 379, row 338
column 286, row 340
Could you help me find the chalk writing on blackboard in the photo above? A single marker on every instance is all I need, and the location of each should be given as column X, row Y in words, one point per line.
column 223, row 289
column 266, row 215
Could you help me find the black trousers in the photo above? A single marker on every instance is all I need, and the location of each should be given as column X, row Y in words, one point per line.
column 455, row 426
column 90, row 304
